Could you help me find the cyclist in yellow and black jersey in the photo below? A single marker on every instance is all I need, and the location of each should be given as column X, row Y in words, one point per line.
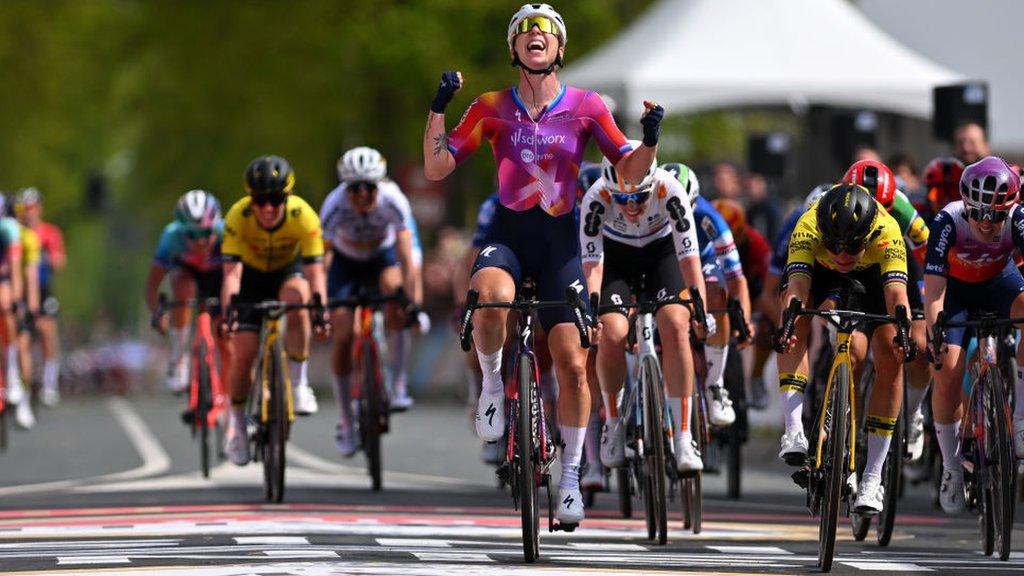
column 272, row 250
column 847, row 233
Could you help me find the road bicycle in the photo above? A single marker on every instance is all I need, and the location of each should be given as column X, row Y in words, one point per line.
column 648, row 420
column 373, row 380
column 825, row 471
column 529, row 449
column 986, row 441
column 271, row 405
column 206, row 398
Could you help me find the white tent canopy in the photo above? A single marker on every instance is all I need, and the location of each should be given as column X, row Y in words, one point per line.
column 693, row 55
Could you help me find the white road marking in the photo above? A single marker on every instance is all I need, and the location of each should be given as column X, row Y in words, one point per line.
column 286, row 553
column 69, row 560
column 890, row 567
column 271, row 540
column 452, row 557
column 425, row 543
column 749, row 549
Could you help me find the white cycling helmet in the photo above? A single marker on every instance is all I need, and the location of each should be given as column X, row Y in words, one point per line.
column 617, row 185
column 362, row 164
column 687, row 177
column 536, row 10
column 818, row 192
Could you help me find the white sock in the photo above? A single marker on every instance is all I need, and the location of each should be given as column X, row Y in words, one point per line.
column 793, row 409
column 396, row 358
column 297, row 372
column 715, row 357
column 343, row 395
column 611, row 406
column 949, row 444
column 51, row 374
column 878, row 448
column 573, row 437
column 676, row 406
column 490, row 365
column 179, row 341
column 914, row 398
column 592, row 445
column 13, row 367
column 1018, row 410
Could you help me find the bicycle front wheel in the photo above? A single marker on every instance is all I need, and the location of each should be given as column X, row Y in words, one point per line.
column 371, row 416
column 892, row 476
column 655, row 457
column 204, row 404
column 835, row 468
column 526, row 449
column 276, row 430
column 999, row 452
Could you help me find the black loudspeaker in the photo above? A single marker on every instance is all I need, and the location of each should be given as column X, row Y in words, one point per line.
column 957, row 104
column 851, row 131
column 767, row 153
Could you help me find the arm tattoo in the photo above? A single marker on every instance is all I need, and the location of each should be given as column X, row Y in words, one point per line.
column 440, row 143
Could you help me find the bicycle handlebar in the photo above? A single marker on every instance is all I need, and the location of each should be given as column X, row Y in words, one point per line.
column 581, row 319
column 985, row 323
column 845, row 321
column 375, row 300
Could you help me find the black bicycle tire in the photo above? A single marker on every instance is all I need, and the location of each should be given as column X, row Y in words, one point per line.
column 625, row 494
column 697, row 502
column 836, row 444
column 277, row 429
column 892, row 475
column 696, row 483
column 643, row 468
column 860, row 523
column 3, row 424
column 201, row 417
column 1002, row 499
column 734, row 458
column 370, row 415
column 656, row 433
column 526, row 448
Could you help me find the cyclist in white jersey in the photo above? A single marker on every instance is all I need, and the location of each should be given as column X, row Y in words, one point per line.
column 365, row 222
column 627, row 230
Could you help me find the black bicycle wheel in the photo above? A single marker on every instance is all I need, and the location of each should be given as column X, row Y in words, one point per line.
column 1000, row 453
column 892, row 476
column 277, row 430
column 860, row 523
column 655, row 432
column 625, row 494
column 527, row 453
column 3, row 423
column 370, row 416
column 695, row 483
column 734, row 456
column 201, row 418
column 835, row 468
column 735, row 434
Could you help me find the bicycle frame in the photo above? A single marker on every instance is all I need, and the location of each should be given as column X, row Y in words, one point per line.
column 203, row 333
column 269, row 335
column 525, row 349
column 371, row 329
column 842, row 357
column 633, row 399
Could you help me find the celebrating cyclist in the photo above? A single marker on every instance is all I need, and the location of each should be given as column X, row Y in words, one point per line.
column 538, row 130
column 880, row 180
column 188, row 251
column 365, row 221
column 968, row 268
column 273, row 250
column 628, row 230
column 847, row 233
column 723, row 275
column 29, row 208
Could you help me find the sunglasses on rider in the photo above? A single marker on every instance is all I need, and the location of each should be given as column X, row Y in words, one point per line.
column 543, row 23
column 851, row 248
column 632, row 198
column 274, row 199
column 980, row 214
column 361, row 187
column 198, row 233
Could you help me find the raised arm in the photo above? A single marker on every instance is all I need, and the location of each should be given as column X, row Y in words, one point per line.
column 438, row 161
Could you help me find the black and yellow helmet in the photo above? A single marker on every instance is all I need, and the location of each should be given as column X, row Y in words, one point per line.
column 845, row 216
column 269, row 175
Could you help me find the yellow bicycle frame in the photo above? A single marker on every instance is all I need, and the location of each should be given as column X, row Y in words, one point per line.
column 271, row 333
column 842, row 357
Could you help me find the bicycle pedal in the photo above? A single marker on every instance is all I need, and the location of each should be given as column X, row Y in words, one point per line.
column 187, row 417
column 802, row 477
column 564, row 526
column 504, row 472
column 795, row 459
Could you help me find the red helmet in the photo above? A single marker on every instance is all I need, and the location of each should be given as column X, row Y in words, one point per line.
column 876, row 177
column 942, row 179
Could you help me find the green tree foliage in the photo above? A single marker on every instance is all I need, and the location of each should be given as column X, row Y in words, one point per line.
column 165, row 96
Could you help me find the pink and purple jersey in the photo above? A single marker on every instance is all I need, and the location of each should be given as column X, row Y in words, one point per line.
column 955, row 252
column 538, row 161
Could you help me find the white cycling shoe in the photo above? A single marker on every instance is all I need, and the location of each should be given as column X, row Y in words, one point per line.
column 870, row 495
column 400, row 399
column 177, row 376
column 346, row 440
column 687, row 457
column 23, row 415
column 305, row 400
column 915, row 436
column 951, row 492
column 594, row 478
column 490, row 416
column 50, row 397
column 720, row 410
column 794, row 448
column 15, row 390
column 612, row 449
column 570, row 506
column 236, row 439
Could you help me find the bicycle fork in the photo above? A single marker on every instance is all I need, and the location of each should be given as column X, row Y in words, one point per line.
column 842, row 356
